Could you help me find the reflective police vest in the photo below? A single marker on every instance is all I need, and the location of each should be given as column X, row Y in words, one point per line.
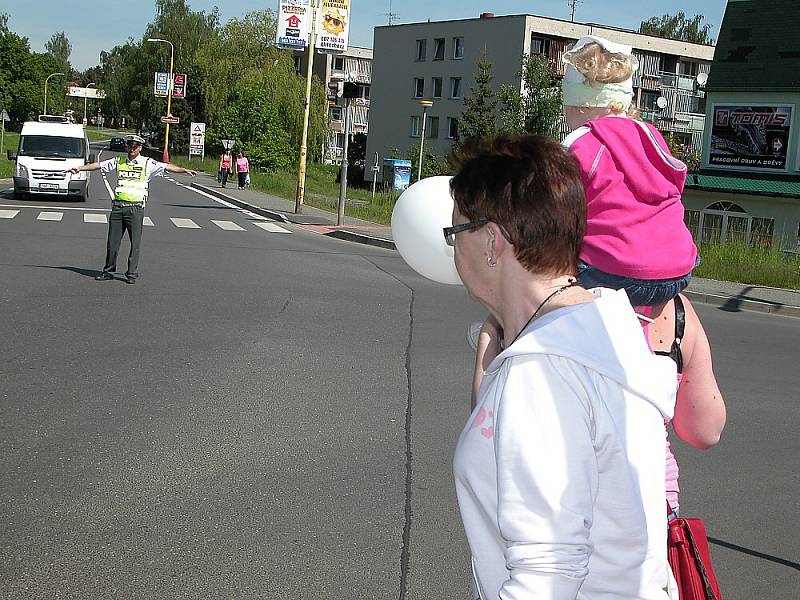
column 131, row 181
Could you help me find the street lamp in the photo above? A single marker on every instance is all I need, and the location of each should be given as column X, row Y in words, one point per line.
column 425, row 104
column 85, row 99
column 45, row 89
column 165, row 157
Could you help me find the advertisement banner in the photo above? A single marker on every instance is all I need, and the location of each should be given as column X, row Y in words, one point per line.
column 161, row 85
column 334, row 26
column 85, row 92
column 750, row 136
column 179, row 85
column 294, row 18
column 197, row 139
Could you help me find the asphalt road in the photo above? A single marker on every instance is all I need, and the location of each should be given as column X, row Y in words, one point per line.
column 271, row 413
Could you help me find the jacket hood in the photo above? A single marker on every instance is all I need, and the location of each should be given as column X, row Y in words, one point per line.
column 605, row 336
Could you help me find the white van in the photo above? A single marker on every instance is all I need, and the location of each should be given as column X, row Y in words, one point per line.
column 48, row 149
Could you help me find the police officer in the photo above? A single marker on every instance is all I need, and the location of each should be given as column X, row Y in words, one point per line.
column 127, row 209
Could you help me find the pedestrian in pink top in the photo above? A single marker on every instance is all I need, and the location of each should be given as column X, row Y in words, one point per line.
column 242, row 169
column 635, row 238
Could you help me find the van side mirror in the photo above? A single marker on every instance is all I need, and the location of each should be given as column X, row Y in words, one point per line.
column 11, row 155
column 92, row 158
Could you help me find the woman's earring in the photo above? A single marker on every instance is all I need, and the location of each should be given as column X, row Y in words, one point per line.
column 491, row 262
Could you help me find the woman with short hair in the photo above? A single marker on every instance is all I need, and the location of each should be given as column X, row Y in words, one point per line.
column 560, row 468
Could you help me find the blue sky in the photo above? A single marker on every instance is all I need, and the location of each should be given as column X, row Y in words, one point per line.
column 93, row 25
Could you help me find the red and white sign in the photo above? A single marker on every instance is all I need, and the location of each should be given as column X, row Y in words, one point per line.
column 170, row 119
column 179, row 85
column 294, row 18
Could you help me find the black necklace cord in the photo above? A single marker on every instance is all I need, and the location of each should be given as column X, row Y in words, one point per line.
column 563, row 288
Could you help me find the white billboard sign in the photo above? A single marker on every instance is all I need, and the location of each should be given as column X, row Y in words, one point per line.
column 197, row 139
column 333, row 25
column 294, row 20
column 85, row 92
column 161, row 84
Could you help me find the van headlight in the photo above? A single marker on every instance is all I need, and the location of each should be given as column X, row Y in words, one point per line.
column 22, row 170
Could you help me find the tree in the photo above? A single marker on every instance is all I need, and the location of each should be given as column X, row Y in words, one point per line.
column 59, row 48
column 678, row 27
column 479, row 118
column 537, row 107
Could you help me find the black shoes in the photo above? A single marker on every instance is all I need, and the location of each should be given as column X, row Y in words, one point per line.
column 130, row 280
column 104, row 277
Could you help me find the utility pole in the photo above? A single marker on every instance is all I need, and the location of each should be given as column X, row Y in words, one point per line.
column 165, row 156
column 573, row 4
column 301, row 169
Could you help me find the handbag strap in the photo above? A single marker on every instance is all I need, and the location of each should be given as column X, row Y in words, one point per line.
column 680, row 327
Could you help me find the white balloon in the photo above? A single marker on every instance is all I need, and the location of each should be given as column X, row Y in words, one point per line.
column 419, row 216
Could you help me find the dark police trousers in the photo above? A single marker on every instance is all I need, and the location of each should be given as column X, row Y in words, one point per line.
column 125, row 216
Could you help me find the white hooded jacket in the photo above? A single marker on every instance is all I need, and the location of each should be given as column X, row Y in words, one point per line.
column 560, row 468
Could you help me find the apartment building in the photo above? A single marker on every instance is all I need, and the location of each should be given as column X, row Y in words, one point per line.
column 354, row 65
column 748, row 186
column 437, row 61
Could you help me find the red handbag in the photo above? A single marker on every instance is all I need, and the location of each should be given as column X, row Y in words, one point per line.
column 690, row 559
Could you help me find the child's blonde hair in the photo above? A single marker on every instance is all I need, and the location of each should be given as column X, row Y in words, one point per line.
column 598, row 65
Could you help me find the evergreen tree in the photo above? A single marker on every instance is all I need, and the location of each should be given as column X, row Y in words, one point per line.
column 479, row 118
column 536, row 108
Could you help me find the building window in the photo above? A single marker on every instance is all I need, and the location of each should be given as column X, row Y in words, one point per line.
column 697, row 104
column 648, row 101
column 452, row 128
column 692, row 220
column 415, row 126
column 538, row 45
column 458, row 47
column 339, row 141
column 363, row 91
column 336, row 113
column 455, row 87
column 419, row 87
column 667, row 63
column 438, row 49
column 689, row 69
column 433, row 128
column 437, row 87
column 421, row 49
column 761, row 232
column 338, row 63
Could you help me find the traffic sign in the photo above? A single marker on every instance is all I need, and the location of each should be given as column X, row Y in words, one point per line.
column 4, row 115
column 170, row 119
column 227, row 144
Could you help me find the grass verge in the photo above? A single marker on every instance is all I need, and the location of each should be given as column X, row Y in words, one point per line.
column 735, row 261
column 322, row 189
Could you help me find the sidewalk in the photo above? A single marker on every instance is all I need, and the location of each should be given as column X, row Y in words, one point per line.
column 732, row 297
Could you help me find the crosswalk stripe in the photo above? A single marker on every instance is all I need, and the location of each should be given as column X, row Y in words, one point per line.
column 272, row 228
column 149, row 222
column 184, row 223
column 50, row 216
column 8, row 214
column 228, row 225
column 95, row 218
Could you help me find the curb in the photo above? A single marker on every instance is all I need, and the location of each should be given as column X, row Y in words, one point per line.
column 734, row 304
column 342, row 234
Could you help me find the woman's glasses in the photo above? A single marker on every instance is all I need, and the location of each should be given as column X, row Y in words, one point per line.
column 450, row 232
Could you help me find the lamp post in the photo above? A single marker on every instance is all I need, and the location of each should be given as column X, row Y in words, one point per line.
column 85, row 100
column 45, row 89
column 425, row 104
column 165, row 156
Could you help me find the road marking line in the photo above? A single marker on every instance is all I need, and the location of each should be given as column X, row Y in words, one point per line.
column 228, row 225
column 59, row 208
column 50, row 216
column 224, row 203
column 8, row 214
column 272, row 227
column 149, row 222
column 184, row 223
column 95, row 218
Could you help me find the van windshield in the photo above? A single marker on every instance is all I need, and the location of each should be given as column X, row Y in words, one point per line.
column 51, row 146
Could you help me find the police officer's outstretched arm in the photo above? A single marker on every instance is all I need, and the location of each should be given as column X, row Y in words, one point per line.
column 176, row 169
column 87, row 167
